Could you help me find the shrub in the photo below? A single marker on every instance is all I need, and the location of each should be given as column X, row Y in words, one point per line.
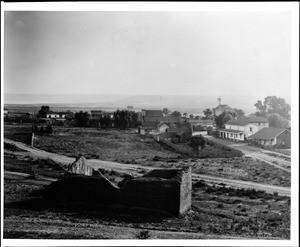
column 143, row 235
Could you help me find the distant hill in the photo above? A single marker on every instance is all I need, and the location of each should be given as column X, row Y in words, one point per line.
column 190, row 104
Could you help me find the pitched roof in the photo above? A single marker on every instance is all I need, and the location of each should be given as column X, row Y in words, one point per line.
column 167, row 119
column 246, row 120
column 153, row 113
column 161, row 123
column 181, row 132
column 254, row 119
column 58, row 112
column 267, row 133
column 231, row 131
column 175, row 127
column 201, row 121
column 150, row 124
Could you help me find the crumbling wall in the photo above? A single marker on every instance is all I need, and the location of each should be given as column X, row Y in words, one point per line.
column 162, row 189
column 185, row 192
column 80, row 166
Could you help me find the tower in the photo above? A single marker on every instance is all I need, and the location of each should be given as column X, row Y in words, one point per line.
column 219, row 100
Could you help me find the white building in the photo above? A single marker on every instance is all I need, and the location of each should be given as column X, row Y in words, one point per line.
column 242, row 128
column 59, row 116
column 163, row 127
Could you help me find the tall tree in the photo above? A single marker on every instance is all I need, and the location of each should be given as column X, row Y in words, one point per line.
column 126, row 119
column 185, row 115
column 197, row 141
column 82, row 119
column 166, row 111
column 208, row 113
column 240, row 113
column 43, row 111
column 176, row 114
column 272, row 104
column 277, row 121
column 224, row 117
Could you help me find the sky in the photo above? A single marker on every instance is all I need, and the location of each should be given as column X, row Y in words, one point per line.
column 148, row 53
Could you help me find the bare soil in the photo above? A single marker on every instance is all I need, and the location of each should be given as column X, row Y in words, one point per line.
column 217, row 211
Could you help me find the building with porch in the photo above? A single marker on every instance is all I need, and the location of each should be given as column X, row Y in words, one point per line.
column 57, row 116
column 272, row 137
column 241, row 129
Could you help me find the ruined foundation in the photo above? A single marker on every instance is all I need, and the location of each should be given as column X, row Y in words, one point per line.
column 167, row 190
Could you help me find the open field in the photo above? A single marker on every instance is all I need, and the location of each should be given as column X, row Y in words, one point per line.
column 129, row 147
column 217, row 212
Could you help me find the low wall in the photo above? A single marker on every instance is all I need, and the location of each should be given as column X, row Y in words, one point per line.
column 168, row 190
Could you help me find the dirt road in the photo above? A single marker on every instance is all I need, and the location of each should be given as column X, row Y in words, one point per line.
column 280, row 161
column 136, row 170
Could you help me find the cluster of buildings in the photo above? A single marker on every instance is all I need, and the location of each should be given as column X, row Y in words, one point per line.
column 172, row 128
column 256, row 130
column 250, row 128
column 179, row 129
column 253, row 129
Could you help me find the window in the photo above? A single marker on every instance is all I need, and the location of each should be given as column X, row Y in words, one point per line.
column 250, row 128
column 258, row 124
column 231, row 135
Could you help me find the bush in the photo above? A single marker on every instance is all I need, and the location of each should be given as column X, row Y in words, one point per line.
column 143, row 235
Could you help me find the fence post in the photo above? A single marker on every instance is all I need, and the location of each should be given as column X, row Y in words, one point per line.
column 32, row 139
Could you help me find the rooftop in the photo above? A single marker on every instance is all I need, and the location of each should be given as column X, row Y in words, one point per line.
column 267, row 133
column 246, row 120
column 153, row 113
column 230, row 131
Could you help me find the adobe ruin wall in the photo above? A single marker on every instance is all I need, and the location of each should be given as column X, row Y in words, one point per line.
column 168, row 190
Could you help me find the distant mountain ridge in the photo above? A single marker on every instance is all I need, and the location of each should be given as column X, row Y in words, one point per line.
column 186, row 103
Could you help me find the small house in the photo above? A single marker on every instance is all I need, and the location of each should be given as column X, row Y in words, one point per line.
column 163, row 127
column 272, row 137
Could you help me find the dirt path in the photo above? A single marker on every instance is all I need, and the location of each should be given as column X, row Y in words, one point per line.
column 136, row 169
column 256, row 153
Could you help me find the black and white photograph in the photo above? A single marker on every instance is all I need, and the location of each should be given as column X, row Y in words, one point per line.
column 154, row 123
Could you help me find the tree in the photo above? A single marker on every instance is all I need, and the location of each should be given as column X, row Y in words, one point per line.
column 191, row 116
column 277, row 121
column 126, row 119
column 197, row 141
column 82, row 119
column 43, row 111
column 224, row 117
column 49, row 129
column 166, row 111
column 176, row 114
column 208, row 113
column 272, row 104
column 240, row 113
